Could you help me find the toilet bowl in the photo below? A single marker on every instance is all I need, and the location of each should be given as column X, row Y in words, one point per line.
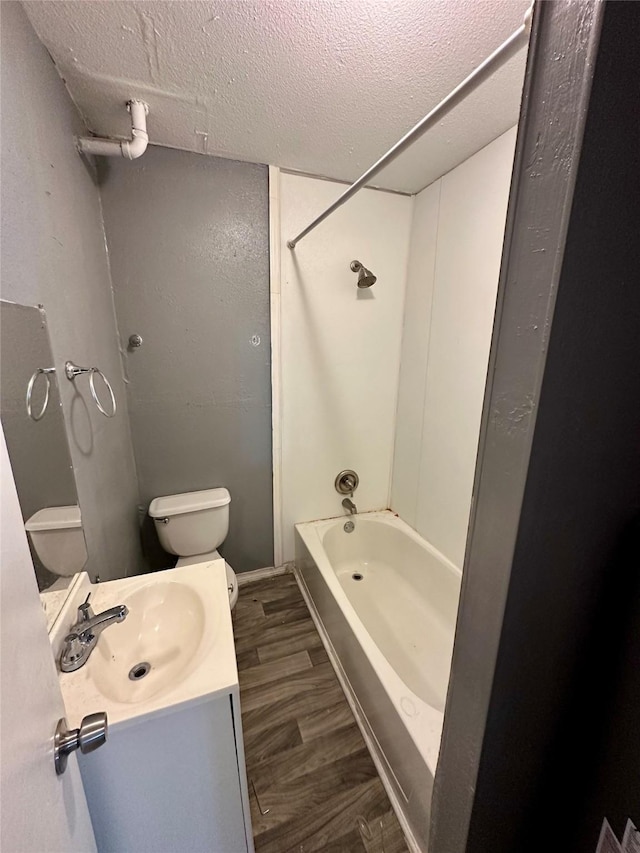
column 192, row 526
column 232, row 581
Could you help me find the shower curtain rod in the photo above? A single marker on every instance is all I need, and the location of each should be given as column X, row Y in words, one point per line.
column 506, row 50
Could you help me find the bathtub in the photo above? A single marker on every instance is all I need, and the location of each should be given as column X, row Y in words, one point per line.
column 385, row 603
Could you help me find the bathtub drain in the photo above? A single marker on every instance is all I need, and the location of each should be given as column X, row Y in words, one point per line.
column 357, row 576
column 139, row 671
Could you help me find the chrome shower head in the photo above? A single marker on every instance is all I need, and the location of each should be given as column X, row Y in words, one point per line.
column 365, row 277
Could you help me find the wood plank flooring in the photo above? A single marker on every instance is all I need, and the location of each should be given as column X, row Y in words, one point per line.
column 305, row 755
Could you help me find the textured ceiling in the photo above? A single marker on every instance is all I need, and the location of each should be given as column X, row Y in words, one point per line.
column 321, row 86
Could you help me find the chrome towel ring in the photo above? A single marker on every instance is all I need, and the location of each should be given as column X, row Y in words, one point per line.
column 72, row 370
column 45, row 371
column 94, row 371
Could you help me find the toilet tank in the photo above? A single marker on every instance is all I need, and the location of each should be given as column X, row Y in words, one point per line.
column 58, row 539
column 193, row 522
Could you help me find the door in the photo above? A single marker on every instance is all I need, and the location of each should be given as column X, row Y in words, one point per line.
column 41, row 811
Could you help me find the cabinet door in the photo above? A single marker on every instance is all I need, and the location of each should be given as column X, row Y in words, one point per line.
column 169, row 784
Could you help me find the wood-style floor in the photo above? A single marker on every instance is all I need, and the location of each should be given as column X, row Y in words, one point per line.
column 306, row 759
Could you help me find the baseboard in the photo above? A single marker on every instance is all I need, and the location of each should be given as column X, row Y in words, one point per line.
column 260, row 574
column 384, row 771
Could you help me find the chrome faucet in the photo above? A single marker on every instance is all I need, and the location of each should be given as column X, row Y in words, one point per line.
column 348, row 504
column 84, row 635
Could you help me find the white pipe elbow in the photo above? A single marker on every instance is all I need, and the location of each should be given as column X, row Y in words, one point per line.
column 128, row 148
column 140, row 138
column 137, row 146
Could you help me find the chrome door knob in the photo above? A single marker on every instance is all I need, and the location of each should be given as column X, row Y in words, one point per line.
column 91, row 734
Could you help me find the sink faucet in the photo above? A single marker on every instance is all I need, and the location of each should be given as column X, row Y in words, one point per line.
column 348, row 504
column 84, row 635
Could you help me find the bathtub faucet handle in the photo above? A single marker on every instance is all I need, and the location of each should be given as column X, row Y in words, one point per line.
column 346, row 482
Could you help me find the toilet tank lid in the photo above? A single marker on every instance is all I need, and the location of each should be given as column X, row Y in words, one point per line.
column 188, row 502
column 54, row 518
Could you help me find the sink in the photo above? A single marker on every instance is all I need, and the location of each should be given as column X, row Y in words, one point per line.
column 155, row 648
column 171, row 775
column 175, row 647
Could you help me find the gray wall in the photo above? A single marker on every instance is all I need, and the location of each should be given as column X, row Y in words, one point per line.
column 188, row 242
column 53, row 252
column 562, row 746
column 38, row 450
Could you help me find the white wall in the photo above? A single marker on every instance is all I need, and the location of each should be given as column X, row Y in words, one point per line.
column 340, row 347
column 456, row 246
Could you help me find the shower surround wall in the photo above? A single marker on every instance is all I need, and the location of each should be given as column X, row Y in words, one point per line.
column 340, row 347
column 454, row 263
column 53, row 252
column 189, row 247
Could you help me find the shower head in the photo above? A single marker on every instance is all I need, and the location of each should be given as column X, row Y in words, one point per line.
column 365, row 277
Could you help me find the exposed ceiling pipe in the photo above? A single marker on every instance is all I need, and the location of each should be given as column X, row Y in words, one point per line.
column 129, row 148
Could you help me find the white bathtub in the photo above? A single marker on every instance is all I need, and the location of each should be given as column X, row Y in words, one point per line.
column 385, row 602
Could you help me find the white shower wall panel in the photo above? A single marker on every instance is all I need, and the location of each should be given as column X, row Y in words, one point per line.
column 415, row 349
column 456, row 247
column 340, row 347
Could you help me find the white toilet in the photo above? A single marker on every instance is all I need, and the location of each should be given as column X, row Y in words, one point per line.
column 192, row 526
column 58, row 540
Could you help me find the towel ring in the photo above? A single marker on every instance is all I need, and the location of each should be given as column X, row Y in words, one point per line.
column 45, row 371
column 72, row 370
column 96, row 400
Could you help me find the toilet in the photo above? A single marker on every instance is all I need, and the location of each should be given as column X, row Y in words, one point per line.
column 192, row 526
column 58, row 539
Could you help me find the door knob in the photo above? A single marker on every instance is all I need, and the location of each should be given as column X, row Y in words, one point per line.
column 91, row 734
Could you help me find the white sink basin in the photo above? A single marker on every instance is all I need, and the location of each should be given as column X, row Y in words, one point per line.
column 155, row 648
column 174, row 647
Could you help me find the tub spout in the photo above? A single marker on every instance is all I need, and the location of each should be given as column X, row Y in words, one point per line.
column 348, row 504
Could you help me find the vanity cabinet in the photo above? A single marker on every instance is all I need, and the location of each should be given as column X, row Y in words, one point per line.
column 171, row 776
column 171, row 783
